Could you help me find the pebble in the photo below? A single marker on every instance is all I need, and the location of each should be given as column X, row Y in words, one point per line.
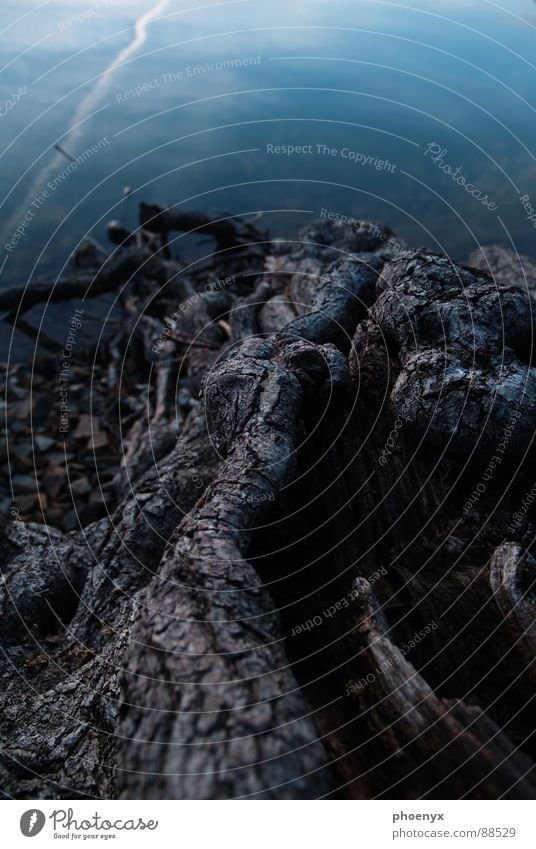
column 87, row 426
column 54, row 480
column 81, row 487
column 24, row 484
column 70, row 521
column 43, row 443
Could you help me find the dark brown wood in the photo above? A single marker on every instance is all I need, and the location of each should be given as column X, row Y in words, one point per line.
column 317, row 579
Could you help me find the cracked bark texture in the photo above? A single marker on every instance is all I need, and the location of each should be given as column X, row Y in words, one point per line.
column 318, row 581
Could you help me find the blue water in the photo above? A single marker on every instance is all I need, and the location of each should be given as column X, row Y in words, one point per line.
column 185, row 113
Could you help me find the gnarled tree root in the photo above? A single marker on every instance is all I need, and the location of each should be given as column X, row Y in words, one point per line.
column 339, row 438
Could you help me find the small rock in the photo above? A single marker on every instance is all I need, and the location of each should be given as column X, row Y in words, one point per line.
column 54, row 480
column 17, row 427
column 118, row 234
column 70, row 521
column 87, row 426
column 15, row 651
column 81, row 487
column 25, row 448
column 23, row 484
column 19, row 392
column 42, row 500
column 98, row 497
column 21, row 459
column 59, row 457
column 43, row 443
column 98, row 440
column 55, row 516
column 218, row 304
column 26, row 503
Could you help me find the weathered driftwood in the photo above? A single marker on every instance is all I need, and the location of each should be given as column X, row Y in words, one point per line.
column 136, row 260
column 512, row 576
column 109, row 277
column 228, row 231
column 305, row 590
column 506, row 267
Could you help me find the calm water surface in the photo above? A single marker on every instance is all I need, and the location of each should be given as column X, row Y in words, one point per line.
column 198, row 104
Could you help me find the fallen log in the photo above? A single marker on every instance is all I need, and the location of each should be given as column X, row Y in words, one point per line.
column 312, row 584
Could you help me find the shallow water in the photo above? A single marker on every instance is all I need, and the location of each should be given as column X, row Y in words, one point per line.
column 194, row 107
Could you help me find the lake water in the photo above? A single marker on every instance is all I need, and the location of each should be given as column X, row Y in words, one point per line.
column 197, row 104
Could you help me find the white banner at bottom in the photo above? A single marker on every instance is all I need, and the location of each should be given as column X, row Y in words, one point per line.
column 265, row 825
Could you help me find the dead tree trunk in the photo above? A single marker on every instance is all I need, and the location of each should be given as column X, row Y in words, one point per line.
column 317, row 579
